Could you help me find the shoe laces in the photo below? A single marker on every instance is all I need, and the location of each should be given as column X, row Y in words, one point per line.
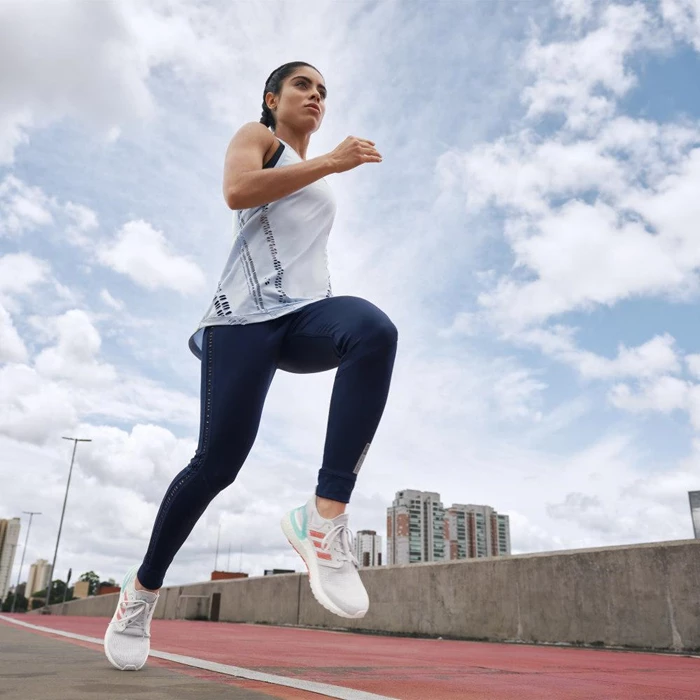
column 339, row 539
column 136, row 614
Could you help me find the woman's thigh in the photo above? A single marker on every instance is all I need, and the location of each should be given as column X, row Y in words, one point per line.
column 238, row 366
column 321, row 334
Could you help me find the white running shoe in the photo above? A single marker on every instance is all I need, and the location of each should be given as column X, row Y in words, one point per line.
column 128, row 636
column 326, row 548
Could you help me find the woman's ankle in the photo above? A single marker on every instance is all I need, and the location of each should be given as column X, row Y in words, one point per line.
column 329, row 509
column 140, row 587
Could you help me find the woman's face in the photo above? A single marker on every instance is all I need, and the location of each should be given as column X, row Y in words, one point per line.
column 301, row 92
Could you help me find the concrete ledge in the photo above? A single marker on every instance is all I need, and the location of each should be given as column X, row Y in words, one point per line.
column 639, row 596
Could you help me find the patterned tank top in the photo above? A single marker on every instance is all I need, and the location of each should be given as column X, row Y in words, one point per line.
column 279, row 259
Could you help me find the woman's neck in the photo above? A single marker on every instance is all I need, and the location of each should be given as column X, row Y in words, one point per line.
column 299, row 142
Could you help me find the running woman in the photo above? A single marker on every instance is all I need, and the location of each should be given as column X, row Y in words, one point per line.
column 274, row 309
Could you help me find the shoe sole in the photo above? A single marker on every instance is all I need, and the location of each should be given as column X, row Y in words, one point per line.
column 127, row 667
column 312, row 568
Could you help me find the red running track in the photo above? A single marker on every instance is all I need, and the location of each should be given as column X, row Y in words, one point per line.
column 417, row 669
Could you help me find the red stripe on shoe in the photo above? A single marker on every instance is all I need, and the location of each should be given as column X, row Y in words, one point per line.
column 324, row 555
column 316, row 533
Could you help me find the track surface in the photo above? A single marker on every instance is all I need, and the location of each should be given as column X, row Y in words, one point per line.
column 401, row 668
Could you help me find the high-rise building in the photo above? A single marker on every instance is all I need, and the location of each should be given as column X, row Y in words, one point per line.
column 415, row 528
column 9, row 535
column 38, row 580
column 368, row 548
column 476, row 531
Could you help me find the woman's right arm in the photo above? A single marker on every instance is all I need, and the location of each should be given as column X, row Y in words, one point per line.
column 247, row 185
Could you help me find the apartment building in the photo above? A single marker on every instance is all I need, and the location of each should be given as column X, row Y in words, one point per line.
column 415, row 528
column 38, row 578
column 368, row 548
column 9, row 535
column 420, row 529
column 475, row 531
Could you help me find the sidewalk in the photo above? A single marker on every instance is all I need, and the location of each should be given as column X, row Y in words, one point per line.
column 33, row 667
column 221, row 660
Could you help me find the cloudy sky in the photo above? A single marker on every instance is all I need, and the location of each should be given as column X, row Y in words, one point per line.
column 532, row 231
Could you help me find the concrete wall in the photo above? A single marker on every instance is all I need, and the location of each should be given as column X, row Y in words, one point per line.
column 639, row 596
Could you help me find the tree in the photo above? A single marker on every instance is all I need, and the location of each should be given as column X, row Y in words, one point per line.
column 93, row 579
column 58, row 588
column 20, row 606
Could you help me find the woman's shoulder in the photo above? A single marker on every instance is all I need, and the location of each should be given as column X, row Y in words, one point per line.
column 255, row 131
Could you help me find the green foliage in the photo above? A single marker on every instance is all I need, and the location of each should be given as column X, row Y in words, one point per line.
column 20, row 606
column 58, row 589
column 93, row 579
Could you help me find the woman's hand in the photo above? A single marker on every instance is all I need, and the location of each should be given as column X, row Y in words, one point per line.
column 352, row 152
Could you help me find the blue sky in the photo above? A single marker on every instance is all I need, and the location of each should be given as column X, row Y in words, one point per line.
column 531, row 231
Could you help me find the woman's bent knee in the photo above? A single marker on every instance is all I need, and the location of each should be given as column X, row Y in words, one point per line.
column 377, row 329
column 384, row 333
column 220, row 479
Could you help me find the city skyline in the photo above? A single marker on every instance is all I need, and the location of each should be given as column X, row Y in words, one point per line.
column 421, row 529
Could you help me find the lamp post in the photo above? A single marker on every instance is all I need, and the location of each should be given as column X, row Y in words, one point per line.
column 65, row 589
column 47, row 601
column 31, row 514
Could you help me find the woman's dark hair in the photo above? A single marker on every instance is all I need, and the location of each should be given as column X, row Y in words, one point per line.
column 274, row 85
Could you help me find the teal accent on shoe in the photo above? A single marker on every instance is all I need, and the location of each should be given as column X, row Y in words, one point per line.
column 127, row 576
column 301, row 534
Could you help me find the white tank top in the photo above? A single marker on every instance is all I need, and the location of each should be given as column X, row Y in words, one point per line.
column 279, row 259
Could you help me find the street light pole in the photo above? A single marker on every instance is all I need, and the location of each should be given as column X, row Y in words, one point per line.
column 31, row 514
column 47, row 601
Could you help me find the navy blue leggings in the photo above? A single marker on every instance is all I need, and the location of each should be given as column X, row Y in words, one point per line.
column 238, row 364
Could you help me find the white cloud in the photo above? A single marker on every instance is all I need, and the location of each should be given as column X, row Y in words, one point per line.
column 593, row 215
column 134, row 398
column 669, row 486
column 582, row 78
column 673, row 210
column 12, row 348
column 655, row 357
column 31, row 408
column 83, row 220
column 587, row 511
column 528, row 173
column 113, row 303
column 683, row 16
column 13, row 123
column 74, row 357
column 517, row 394
column 147, row 454
column 70, row 379
column 579, row 254
column 524, row 172
column 143, row 254
column 693, row 362
column 577, row 10
column 585, row 255
column 93, row 61
column 662, row 394
column 22, row 208
column 69, row 58
column 20, row 272
column 659, row 395
column 464, row 323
